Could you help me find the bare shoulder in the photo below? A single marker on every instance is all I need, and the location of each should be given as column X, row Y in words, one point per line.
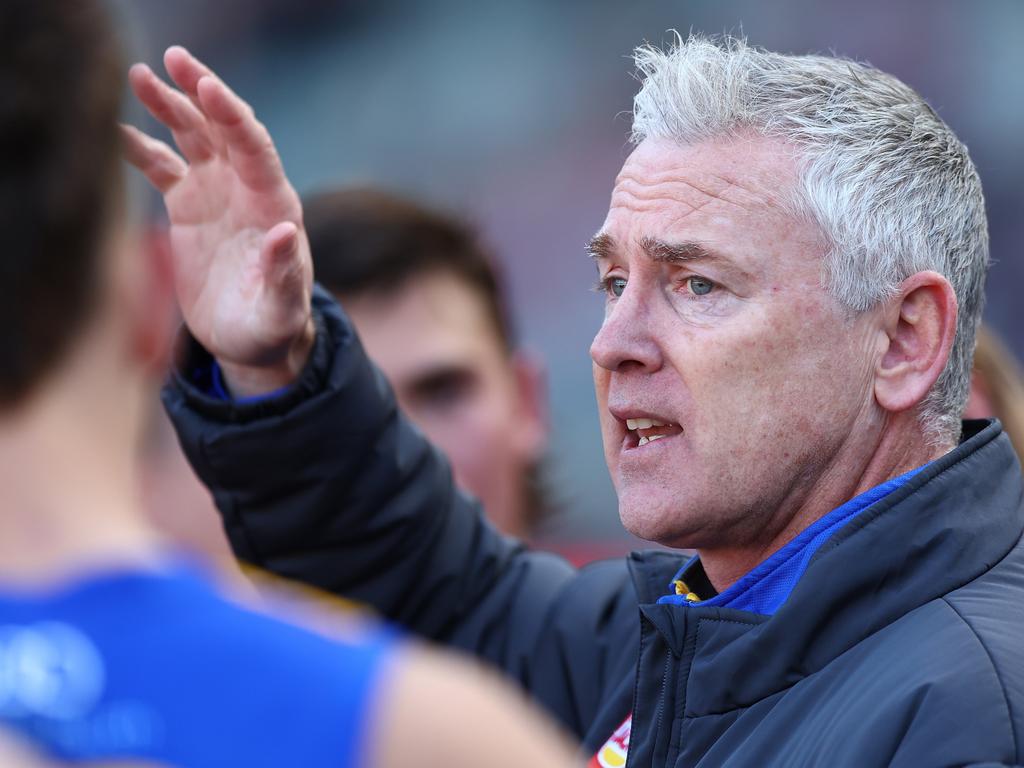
column 439, row 710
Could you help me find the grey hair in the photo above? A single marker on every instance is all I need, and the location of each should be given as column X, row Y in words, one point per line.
column 890, row 186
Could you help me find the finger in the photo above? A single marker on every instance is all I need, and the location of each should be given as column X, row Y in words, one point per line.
column 191, row 132
column 157, row 161
column 258, row 162
column 250, row 147
column 186, row 71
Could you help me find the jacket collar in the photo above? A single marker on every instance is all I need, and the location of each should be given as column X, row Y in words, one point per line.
column 945, row 527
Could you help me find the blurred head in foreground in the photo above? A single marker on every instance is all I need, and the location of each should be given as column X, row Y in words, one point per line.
column 85, row 319
column 426, row 300
column 112, row 646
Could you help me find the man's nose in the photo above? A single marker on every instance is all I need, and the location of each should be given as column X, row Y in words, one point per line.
column 627, row 338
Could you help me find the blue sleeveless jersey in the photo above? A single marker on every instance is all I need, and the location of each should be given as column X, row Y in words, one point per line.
column 159, row 667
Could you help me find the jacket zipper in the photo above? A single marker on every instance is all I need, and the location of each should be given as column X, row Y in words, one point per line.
column 661, row 711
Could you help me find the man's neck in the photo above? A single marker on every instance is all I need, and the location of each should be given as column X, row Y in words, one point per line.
column 67, row 469
column 897, row 449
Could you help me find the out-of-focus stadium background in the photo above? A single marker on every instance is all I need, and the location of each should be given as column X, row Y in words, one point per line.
column 515, row 115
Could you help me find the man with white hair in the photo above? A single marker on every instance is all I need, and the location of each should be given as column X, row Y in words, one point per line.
column 793, row 266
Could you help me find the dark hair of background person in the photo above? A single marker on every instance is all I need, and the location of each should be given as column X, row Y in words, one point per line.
column 998, row 374
column 368, row 241
column 60, row 182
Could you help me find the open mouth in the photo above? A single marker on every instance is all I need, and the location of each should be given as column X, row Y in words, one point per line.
column 641, row 432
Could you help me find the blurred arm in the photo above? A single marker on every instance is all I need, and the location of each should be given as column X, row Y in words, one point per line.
column 444, row 713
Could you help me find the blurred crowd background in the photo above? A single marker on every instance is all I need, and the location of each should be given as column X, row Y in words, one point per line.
column 514, row 115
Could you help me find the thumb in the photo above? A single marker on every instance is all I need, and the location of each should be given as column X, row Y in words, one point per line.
column 280, row 257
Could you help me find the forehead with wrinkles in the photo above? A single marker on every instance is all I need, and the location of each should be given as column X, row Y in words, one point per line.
column 747, row 174
column 733, row 197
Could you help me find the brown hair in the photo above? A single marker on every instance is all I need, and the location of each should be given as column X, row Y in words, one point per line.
column 60, row 180
column 368, row 241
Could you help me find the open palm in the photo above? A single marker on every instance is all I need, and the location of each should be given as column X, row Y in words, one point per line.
column 243, row 273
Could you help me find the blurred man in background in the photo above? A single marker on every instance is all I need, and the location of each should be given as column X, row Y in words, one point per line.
column 426, row 300
column 113, row 645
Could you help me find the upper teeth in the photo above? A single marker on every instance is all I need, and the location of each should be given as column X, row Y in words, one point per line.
column 632, row 424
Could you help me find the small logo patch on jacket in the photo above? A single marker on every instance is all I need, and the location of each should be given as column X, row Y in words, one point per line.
column 613, row 753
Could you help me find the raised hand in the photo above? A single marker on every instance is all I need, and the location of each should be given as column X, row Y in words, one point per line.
column 242, row 266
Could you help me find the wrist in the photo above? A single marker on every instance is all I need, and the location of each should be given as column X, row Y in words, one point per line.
column 244, row 381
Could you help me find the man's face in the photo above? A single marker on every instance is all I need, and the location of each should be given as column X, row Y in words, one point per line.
column 717, row 326
column 437, row 345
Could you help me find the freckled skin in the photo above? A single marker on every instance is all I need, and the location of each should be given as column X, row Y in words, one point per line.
column 769, row 378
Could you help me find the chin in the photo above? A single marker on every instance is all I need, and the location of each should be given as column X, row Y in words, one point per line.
column 654, row 519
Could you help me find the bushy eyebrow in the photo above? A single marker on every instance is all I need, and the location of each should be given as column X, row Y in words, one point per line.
column 603, row 246
column 677, row 253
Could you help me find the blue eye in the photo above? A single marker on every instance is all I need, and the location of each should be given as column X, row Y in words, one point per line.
column 699, row 286
column 611, row 286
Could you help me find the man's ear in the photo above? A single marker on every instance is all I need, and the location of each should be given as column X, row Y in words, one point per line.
column 532, row 394
column 919, row 326
column 154, row 308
